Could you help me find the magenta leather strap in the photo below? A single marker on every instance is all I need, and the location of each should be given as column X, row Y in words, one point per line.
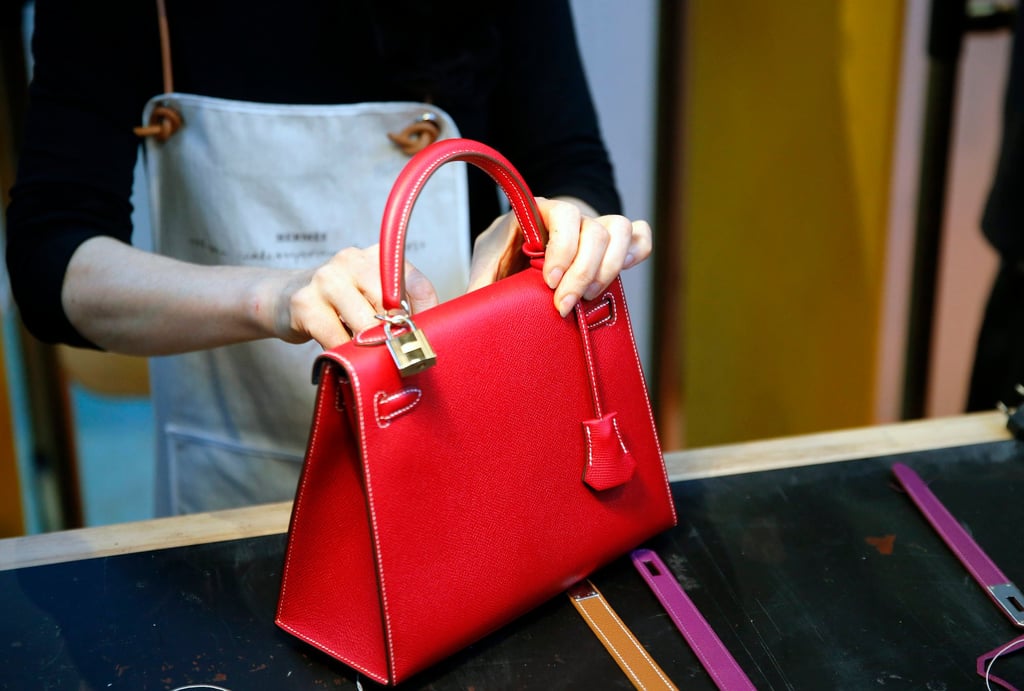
column 717, row 660
column 986, row 662
column 993, row 581
column 989, row 576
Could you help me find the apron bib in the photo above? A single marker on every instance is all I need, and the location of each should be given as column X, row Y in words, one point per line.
column 281, row 186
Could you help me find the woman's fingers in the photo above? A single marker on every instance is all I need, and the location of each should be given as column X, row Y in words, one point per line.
column 562, row 220
column 620, row 234
column 641, row 243
column 342, row 297
column 580, row 278
column 489, row 249
column 331, row 305
column 584, row 255
column 418, row 289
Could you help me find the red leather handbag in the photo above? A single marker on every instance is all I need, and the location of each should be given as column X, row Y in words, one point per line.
column 469, row 462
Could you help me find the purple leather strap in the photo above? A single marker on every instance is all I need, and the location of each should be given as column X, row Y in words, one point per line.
column 986, row 662
column 993, row 581
column 717, row 660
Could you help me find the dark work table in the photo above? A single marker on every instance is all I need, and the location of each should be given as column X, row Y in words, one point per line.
column 814, row 568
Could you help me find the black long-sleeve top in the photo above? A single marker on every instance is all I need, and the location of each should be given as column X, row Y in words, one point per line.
column 509, row 74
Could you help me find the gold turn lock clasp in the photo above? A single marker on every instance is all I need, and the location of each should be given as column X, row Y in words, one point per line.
column 410, row 349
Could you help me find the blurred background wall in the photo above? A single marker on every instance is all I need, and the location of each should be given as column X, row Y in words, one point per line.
column 797, row 181
column 789, row 139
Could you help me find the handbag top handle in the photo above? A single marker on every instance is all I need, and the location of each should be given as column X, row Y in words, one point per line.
column 408, row 186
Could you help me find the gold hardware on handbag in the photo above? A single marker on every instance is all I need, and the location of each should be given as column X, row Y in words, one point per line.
column 411, row 350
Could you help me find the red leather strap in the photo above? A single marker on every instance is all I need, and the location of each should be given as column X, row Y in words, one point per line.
column 609, row 462
column 408, row 187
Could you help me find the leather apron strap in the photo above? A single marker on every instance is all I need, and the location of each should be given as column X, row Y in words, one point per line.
column 164, row 120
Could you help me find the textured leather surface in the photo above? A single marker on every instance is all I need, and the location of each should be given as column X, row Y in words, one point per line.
column 631, row 657
column 982, row 568
column 266, row 185
column 410, row 183
column 713, row 654
column 435, row 508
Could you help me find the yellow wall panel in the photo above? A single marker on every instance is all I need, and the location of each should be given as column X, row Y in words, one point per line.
column 789, row 118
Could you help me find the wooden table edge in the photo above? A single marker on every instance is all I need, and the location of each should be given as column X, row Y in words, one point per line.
column 272, row 519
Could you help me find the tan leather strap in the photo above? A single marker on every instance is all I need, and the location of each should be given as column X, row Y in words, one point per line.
column 616, row 637
column 165, row 46
column 418, row 135
column 164, row 120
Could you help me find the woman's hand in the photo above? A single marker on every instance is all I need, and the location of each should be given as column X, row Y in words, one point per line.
column 130, row 301
column 585, row 252
column 340, row 298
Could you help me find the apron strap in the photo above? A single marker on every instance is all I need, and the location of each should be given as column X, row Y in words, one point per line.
column 164, row 120
column 418, row 135
column 165, row 46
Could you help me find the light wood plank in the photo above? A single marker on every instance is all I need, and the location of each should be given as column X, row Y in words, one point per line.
column 272, row 519
column 842, row 445
column 141, row 536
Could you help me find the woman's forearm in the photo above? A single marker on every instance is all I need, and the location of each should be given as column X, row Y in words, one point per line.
column 130, row 301
column 127, row 300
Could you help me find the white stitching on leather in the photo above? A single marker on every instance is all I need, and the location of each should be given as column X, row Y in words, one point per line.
column 299, row 495
column 647, row 400
column 495, row 169
column 383, row 398
column 609, row 300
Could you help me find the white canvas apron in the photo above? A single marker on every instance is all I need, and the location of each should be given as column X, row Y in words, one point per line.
column 274, row 186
